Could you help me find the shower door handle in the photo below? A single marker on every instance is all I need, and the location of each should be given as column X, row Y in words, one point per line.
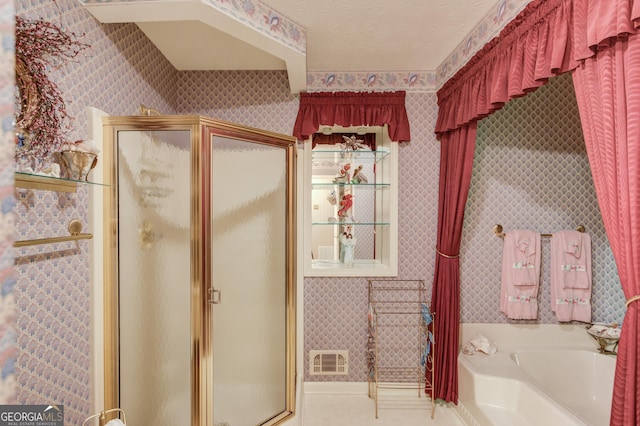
column 215, row 296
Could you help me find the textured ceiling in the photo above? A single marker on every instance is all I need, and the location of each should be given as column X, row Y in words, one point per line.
column 365, row 35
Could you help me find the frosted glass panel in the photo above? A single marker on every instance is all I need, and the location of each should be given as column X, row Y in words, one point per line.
column 154, row 276
column 249, row 268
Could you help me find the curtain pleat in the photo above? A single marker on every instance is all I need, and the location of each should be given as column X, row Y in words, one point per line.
column 529, row 50
column 608, row 94
column 456, row 162
column 518, row 61
column 353, row 109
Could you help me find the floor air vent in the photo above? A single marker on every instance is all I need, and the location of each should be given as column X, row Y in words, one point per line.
column 329, row 362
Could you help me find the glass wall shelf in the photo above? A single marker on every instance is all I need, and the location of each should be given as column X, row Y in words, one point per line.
column 337, row 157
column 48, row 183
column 326, row 185
column 352, row 223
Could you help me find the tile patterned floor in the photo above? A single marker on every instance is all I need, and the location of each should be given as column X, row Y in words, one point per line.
column 359, row 410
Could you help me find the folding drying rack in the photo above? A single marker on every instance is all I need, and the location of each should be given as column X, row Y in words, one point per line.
column 400, row 341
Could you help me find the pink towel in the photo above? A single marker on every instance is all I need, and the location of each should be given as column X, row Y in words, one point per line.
column 571, row 276
column 520, row 274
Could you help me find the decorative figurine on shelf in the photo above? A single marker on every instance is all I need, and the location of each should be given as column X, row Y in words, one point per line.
column 332, row 199
column 358, row 176
column 348, row 247
column 343, row 174
column 345, row 204
column 352, row 144
column 78, row 158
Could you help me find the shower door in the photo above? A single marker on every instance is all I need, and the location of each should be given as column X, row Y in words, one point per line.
column 249, row 258
column 154, row 233
column 199, row 295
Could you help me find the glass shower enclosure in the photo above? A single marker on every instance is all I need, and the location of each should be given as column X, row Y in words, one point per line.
column 199, row 287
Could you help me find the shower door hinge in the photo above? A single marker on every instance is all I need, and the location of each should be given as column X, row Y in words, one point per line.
column 215, row 296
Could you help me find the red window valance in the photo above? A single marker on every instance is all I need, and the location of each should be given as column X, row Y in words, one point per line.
column 353, row 109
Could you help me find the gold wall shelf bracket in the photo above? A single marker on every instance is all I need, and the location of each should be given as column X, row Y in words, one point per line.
column 45, row 183
column 75, row 234
column 50, row 183
column 498, row 230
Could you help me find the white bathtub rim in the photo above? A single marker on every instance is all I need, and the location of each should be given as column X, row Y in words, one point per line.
column 537, row 384
column 529, row 335
column 481, row 366
column 519, row 378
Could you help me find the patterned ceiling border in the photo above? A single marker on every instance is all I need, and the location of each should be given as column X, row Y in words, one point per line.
column 253, row 13
column 275, row 25
column 425, row 80
column 410, row 81
column 489, row 27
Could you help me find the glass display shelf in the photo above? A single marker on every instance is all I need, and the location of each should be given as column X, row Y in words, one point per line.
column 359, row 265
column 326, row 158
column 329, row 185
column 48, row 183
column 351, row 208
column 352, row 223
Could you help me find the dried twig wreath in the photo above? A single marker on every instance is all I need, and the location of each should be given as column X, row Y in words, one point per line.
column 41, row 117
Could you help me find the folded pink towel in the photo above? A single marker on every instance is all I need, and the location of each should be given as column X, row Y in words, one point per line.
column 526, row 258
column 573, row 257
column 520, row 274
column 570, row 283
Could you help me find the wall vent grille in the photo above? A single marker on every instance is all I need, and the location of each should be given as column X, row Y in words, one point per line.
column 329, row 362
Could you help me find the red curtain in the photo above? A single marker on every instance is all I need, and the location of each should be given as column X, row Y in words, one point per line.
column 529, row 50
column 353, row 109
column 607, row 85
column 598, row 39
column 456, row 162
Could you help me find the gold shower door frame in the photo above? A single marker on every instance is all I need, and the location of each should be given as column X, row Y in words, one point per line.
column 201, row 130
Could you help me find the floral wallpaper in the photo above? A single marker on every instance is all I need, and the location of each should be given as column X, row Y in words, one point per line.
column 52, row 340
column 8, row 330
column 46, row 356
column 531, row 171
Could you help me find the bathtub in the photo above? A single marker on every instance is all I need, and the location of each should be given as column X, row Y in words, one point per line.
column 536, row 385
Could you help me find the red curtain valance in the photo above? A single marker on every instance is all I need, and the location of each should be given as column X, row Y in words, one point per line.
column 529, row 50
column 599, row 24
column 547, row 38
column 352, row 109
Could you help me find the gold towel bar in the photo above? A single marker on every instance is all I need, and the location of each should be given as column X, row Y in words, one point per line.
column 497, row 229
column 75, row 231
